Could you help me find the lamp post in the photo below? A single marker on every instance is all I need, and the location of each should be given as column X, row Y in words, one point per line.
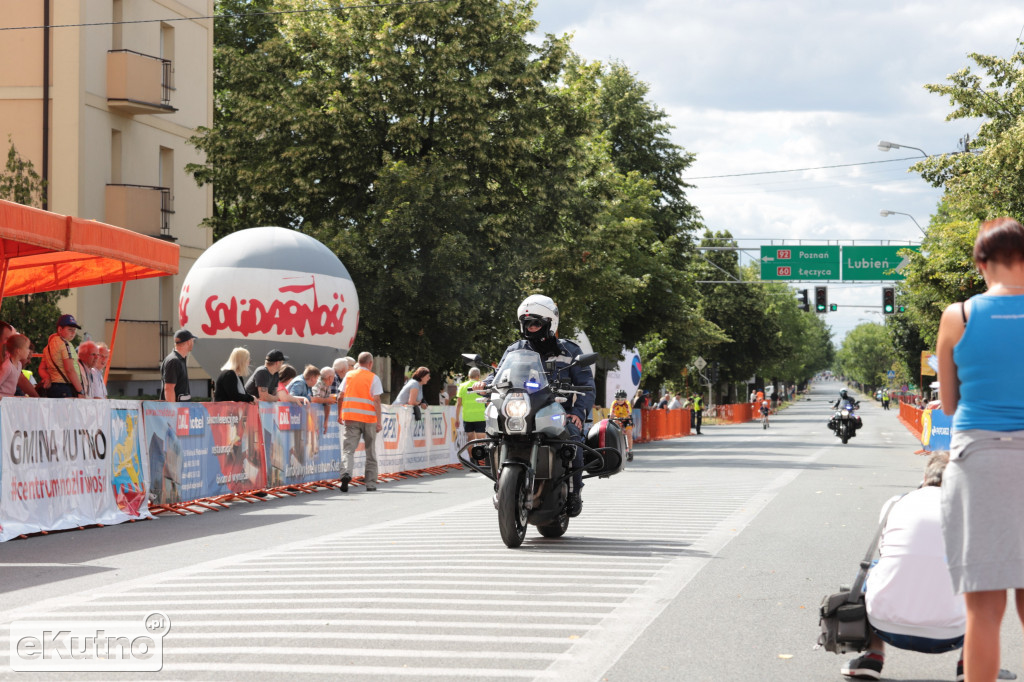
column 885, row 145
column 885, row 213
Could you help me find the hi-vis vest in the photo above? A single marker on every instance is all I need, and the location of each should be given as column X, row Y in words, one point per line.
column 358, row 405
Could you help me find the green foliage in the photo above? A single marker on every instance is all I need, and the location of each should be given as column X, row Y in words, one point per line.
column 986, row 183
column 19, row 181
column 942, row 273
column 455, row 167
column 866, row 355
column 35, row 315
column 981, row 184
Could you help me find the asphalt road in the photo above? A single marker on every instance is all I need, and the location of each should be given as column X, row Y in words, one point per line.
column 705, row 560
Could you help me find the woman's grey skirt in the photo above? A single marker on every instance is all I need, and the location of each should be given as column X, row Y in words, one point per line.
column 983, row 510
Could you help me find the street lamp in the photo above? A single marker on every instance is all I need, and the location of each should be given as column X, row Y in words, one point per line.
column 885, row 213
column 885, row 145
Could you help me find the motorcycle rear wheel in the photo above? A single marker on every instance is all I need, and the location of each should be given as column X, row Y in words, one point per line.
column 512, row 512
column 556, row 528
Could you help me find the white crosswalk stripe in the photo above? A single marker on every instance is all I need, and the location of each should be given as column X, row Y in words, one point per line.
column 438, row 595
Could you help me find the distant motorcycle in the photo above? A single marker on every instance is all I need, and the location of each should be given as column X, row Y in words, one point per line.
column 528, row 452
column 845, row 422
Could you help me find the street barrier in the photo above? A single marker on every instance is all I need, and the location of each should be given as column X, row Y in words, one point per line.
column 910, row 416
column 739, row 413
column 663, row 424
column 73, row 463
column 70, row 463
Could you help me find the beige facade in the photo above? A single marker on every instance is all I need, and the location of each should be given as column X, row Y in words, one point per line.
column 124, row 100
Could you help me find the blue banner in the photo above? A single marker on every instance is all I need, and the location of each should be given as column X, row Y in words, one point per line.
column 299, row 447
column 936, row 429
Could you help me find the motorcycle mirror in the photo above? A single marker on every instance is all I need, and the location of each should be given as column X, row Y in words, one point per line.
column 586, row 359
column 473, row 360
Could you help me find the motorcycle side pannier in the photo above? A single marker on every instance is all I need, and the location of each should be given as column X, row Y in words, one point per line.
column 606, row 434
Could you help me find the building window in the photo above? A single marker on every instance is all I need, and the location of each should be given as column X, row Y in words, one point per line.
column 167, row 53
column 117, row 29
column 115, row 157
column 166, row 182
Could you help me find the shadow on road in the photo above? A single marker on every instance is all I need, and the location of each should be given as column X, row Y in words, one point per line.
column 594, row 546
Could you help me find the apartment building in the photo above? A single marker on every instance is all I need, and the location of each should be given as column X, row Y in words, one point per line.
column 103, row 103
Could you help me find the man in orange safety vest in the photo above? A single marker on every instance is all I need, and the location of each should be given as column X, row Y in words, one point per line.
column 359, row 413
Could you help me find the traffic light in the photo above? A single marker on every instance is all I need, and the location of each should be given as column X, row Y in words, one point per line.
column 804, row 305
column 888, row 300
column 901, row 308
column 832, row 307
column 821, row 299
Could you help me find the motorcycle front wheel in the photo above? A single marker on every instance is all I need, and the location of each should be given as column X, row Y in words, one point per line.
column 512, row 512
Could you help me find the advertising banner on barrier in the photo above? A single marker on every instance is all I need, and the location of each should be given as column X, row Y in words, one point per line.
column 407, row 444
column 60, row 469
column 128, row 460
column 936, row 428
column 299, row 448
column 199, row 450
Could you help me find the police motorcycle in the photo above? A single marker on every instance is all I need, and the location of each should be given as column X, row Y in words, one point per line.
column 528, row 452
column 845, row 422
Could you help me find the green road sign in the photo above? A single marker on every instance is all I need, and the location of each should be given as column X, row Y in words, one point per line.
column 874, row 262
column 799, row 262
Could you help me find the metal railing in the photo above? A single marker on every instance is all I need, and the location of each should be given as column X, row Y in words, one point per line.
column 166, row 74
column 166, row 206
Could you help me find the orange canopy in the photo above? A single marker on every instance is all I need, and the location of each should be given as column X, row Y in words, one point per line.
column 43, row 251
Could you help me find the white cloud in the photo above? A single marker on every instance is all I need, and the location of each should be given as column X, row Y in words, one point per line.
column 761, row 85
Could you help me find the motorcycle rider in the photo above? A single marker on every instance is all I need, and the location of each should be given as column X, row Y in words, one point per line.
column 622, row 412
column 537, row 318
column 844, row 398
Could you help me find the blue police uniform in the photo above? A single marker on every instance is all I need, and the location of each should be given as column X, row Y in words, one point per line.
column 563, row 353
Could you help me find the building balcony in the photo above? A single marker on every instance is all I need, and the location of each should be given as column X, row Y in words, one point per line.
column 141, row 345
column 141, row 208
column 138, row 83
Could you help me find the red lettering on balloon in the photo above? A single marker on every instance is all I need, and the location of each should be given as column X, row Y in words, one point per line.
column 183, row 306
column 253, row 316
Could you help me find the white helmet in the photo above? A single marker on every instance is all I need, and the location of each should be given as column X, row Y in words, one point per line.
column 542, row 309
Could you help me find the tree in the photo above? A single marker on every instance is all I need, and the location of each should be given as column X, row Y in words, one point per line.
column 628, row 229
column 803, row 345
column 34, row 315
column 454, row 169
column 866, row 354
column 739, row 310
column 19, row 181
column 987, row 182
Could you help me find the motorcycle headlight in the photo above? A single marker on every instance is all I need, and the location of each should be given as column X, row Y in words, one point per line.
column 516, row 407
column 845, row 413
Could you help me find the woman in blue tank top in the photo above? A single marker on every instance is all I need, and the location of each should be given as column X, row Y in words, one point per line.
column 981, row 370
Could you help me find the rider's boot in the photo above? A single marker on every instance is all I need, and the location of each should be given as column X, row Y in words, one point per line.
column 574, row 505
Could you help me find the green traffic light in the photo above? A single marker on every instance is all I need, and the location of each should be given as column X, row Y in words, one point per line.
column 833, row 307
column 888, row 309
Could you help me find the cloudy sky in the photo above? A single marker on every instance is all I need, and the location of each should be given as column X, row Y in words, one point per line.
column 769, row 85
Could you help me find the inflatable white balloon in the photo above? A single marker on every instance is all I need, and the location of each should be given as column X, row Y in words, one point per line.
column 625, row 376
column 269, row 288
column 583, row 342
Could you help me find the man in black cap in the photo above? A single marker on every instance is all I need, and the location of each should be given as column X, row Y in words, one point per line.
column 174, row 369
column 263, row 383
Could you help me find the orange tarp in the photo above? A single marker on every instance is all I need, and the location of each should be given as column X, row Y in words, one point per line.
column 46, row 251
